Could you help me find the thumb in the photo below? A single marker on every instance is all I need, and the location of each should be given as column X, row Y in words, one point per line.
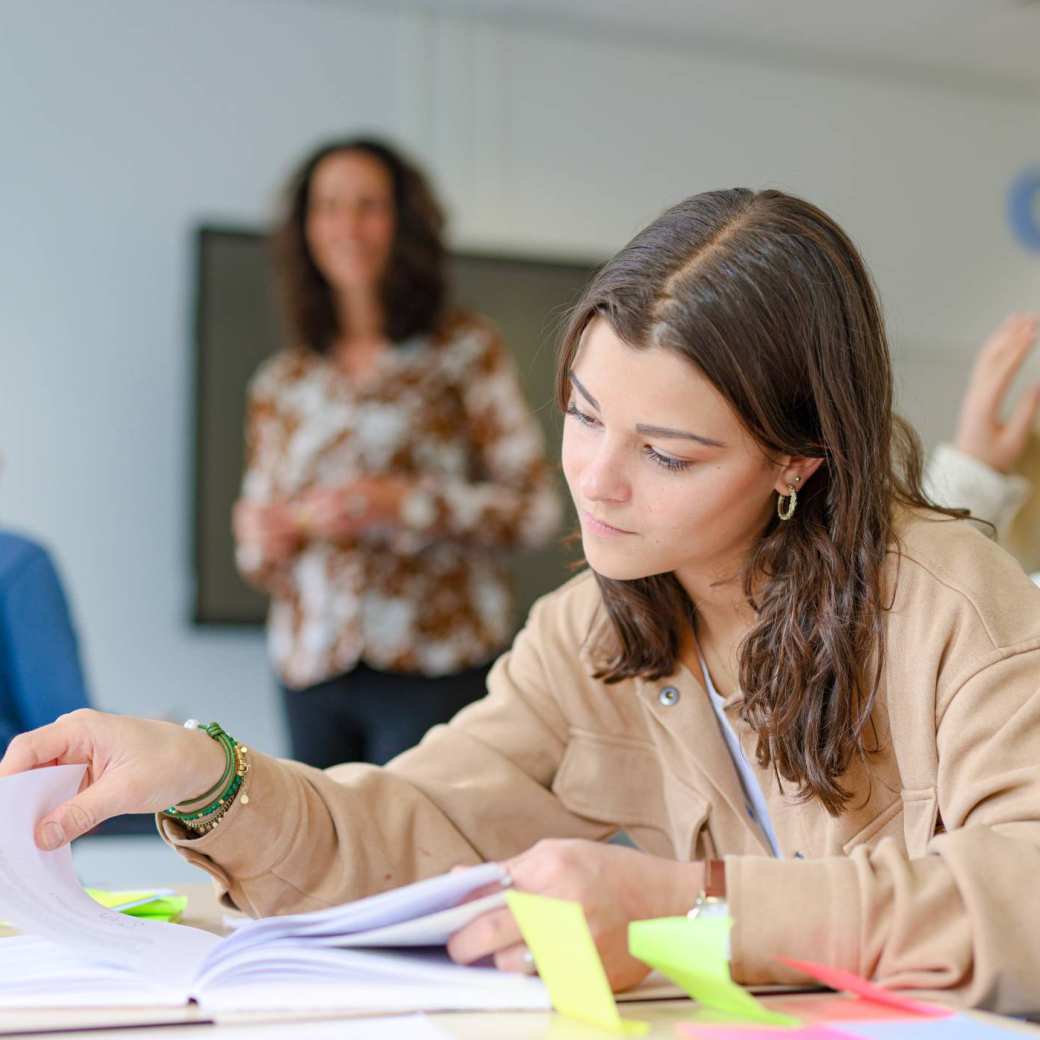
column 90, row 807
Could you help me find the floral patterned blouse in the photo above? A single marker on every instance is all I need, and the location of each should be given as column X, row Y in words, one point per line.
column 430, row 595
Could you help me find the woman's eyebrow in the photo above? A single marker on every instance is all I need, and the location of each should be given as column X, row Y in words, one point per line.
column 664, row 431
column 653, row 431
column 584, row 393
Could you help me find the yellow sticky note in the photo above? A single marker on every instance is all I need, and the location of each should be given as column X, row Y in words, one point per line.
column 121, row 900
column 694, row 954
column 559, row 939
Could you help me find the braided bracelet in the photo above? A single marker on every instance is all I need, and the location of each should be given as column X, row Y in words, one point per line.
column 217, row 733
column 235, row 768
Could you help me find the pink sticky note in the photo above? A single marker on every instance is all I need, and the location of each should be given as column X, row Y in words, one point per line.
column 836, row 978
column 692, row 1031
column 835, row 1007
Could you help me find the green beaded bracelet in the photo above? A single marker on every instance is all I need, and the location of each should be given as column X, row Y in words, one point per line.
column 228, row 784
column 206, row 824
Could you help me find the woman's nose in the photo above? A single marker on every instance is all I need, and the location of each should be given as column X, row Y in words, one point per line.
column 350, row 223
column 344, row 219
column 603, row 479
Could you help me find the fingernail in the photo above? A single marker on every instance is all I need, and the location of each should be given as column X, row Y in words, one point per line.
column 528, row 960
column 506, row 882
column 51, row 835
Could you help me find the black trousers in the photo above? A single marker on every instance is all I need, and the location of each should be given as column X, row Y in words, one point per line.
column 371, row 716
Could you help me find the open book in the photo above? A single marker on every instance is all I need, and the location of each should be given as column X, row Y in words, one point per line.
column 384, row 952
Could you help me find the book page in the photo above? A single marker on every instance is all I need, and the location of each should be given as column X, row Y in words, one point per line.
column 302, row 961
column 283, row 977
column 420, row 900
column 432, row 930
column 39, row 973
column 40, row 894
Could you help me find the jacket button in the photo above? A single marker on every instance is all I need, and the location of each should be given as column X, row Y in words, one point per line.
column 668, row 696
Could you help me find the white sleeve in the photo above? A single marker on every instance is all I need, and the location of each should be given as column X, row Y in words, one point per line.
column 954, row 478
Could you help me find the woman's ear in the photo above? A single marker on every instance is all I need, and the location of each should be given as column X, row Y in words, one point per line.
column 796, row 474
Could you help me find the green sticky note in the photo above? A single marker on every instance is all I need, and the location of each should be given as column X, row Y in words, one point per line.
column 168, row 909
column 694, row 955
column 559, row 939
column 159, row 905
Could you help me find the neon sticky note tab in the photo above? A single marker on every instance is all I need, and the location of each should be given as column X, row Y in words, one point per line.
column 168, row 909
column 158, row 904
column 559, row 939
column 836, row 978
column 833, row 1008
column 121, row 900
column 694, row 954
column 692, row 1031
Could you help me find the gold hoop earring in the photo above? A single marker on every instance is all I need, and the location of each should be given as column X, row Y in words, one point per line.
column 786, row 512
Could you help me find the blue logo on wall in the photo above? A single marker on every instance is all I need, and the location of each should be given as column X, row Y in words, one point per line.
column 1024, row 208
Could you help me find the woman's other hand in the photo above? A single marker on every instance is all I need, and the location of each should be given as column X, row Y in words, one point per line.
column 981, row 432
column 343, row 513
column 273, row 527
column 615, row 885
column 133, row 766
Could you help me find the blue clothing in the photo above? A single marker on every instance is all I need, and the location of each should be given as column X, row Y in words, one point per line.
column 40, row 673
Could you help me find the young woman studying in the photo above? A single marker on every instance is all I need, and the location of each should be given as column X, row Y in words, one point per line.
column 788, row 678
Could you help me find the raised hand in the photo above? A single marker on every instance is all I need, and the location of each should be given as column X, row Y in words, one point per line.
column 981, row 431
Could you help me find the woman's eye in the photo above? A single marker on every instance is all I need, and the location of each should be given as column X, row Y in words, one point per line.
column 673, row 465
column 585, row 420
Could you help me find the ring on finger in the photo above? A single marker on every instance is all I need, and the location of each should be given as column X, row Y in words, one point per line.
column 516, row 958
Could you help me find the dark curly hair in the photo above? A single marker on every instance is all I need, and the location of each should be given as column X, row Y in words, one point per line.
column 415, row 284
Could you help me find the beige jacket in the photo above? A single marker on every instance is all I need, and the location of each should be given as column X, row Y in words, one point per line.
column 929, row 882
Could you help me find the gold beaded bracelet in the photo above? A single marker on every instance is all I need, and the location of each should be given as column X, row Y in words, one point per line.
column 208, row 823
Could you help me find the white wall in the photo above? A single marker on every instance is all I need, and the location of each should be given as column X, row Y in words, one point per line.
column 126, row 122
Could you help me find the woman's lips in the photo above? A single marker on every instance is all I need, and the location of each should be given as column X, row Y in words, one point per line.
column 601, row 527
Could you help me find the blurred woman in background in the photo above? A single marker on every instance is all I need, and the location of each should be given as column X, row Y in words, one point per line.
column 391, row 459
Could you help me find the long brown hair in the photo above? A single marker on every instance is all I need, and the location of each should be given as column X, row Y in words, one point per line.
column 770, row 300
column 415, row 284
